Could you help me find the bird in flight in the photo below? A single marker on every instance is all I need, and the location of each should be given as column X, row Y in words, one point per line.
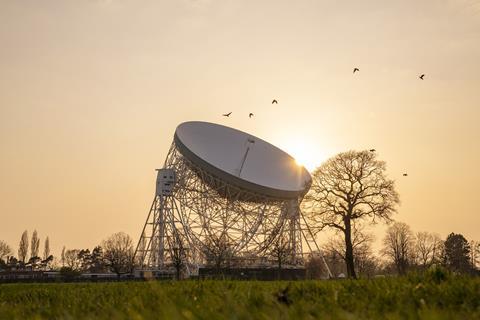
column 355, row 70
column 250, row 115
column 274, row 101
column 227, row 114
column 372, row 150
column 421, row 77
column 405, row 175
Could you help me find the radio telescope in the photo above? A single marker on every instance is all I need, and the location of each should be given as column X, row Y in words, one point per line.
column 223, row 194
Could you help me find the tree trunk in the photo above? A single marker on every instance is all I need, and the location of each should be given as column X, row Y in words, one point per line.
column 349, row 249
column 279, row 271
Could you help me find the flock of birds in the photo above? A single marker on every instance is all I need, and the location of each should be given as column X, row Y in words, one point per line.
column 420, row 76
column 274, row 101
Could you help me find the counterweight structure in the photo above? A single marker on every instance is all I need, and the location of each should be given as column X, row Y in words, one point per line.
column 205, row 215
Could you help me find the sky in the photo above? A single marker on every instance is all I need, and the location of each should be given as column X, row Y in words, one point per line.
column 91, row 92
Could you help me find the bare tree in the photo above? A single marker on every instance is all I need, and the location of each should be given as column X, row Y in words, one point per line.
column 348, row 187
column 178, row 259
column 178, row 256
column 118, row 253
column 336, row 264
column 63, row 257
column 476, row 253
column 5, row 250
column 72, row 259
column 365, row 262
column 361, row 242
column 428, row 248
column 316, row 268
column 46, row 249
column 34, row 245
column 23, row 247
column 218, row 251
column 398, row 245
column 281, row 252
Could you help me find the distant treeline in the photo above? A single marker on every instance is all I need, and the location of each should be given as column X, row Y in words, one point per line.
column 402, row 251
column 115, row 255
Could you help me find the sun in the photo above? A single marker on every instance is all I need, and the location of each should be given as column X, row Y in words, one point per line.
column 305, row 153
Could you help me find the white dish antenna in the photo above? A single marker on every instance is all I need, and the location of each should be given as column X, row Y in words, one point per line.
column 242, row 159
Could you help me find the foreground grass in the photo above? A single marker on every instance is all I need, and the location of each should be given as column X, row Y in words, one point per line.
column 388, row 298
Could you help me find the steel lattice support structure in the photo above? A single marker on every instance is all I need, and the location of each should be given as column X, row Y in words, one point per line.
column 205, row 220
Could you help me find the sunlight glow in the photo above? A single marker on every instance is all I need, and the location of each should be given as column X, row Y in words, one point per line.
column 304, row 152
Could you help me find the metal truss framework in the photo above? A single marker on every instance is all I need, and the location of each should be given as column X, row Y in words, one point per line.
column 180, row 227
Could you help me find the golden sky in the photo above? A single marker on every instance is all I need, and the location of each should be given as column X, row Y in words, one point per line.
column 91, row 92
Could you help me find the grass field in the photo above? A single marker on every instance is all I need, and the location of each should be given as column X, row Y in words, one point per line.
column 413, row 297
